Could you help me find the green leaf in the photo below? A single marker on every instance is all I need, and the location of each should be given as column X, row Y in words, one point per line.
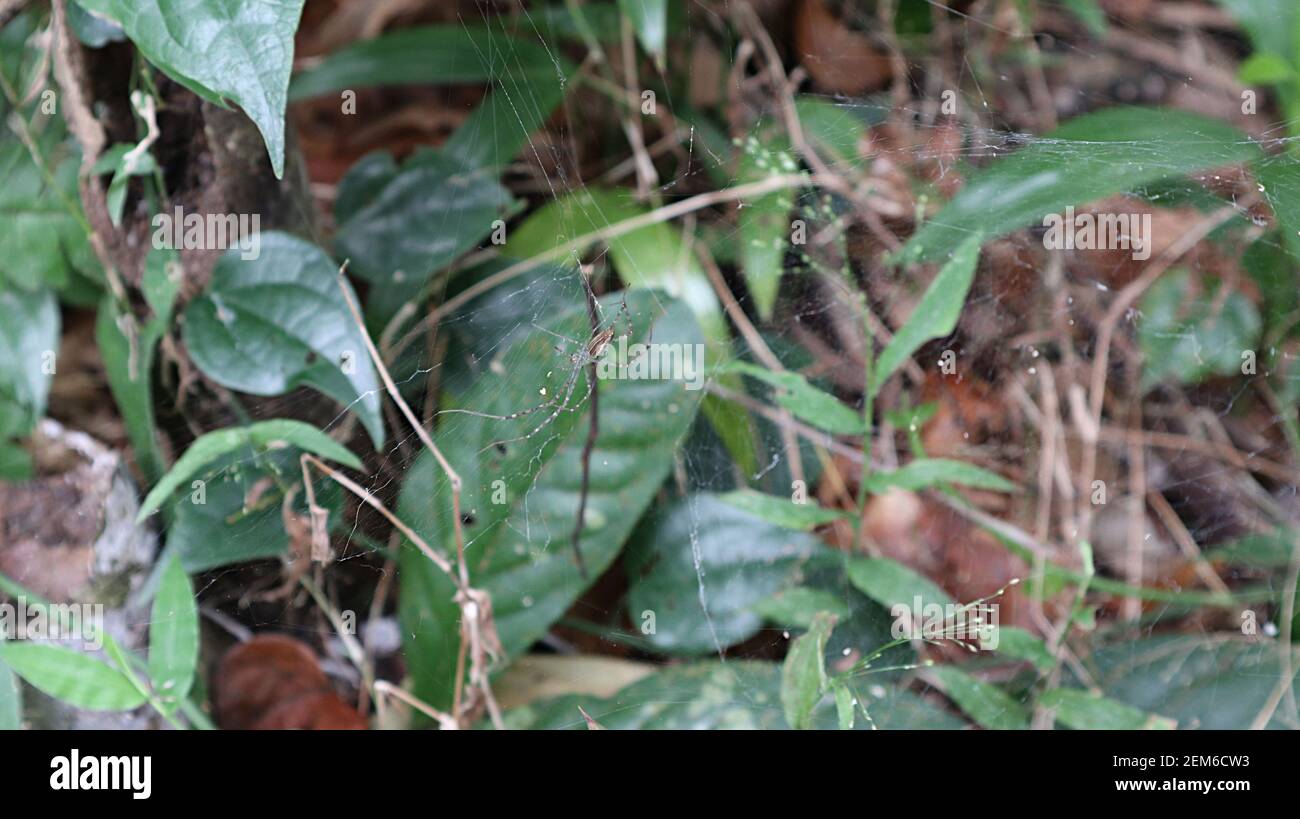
column 798, row 606
column 1262, row 68
column 222, row 51
column 68, row 675
column 924, row 473
column 783, row 512
column 936, row 314
column 987, row 704
column 224, row 529
column 280, row 321
column 650, row 22
column 1084, row 711
column 29, row 338
column 1272, row 268
column 805, row 401
column 404, row 225
column 1270, row 23
column 844, row 712
column 1188, row 339
column 1089, row 158
column 42, row 238
column 1018, row 643
column 262, row 435
column 11, row 698
column 519, row 550
column 708, row 695
column 702, row 564
column 173, row 637
column 803, row 674
column 764, row 222
column 890, row 583
column 653, row 256
column 1210, row 683
column 1279, row 178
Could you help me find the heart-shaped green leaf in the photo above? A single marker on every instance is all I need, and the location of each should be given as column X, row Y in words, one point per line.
column 280, row 321
column 219, row 49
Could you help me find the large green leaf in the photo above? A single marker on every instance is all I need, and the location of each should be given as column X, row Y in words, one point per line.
column 68, row 675
column 173, row 636
column 253, row 438
column 222, row 50
column 519, row 550
column 702, row 565
column 270, row 324
column 398, row 226
column 1094, row 156
column 731, row 695
column 935, row 316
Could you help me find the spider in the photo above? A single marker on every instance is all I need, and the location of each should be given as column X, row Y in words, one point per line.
column 586, row 354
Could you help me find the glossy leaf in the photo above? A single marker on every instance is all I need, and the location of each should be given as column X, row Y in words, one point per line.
column 702, row 564
column 407, row 223
column 222, row 51
column 519, row 550
column 270, row 324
